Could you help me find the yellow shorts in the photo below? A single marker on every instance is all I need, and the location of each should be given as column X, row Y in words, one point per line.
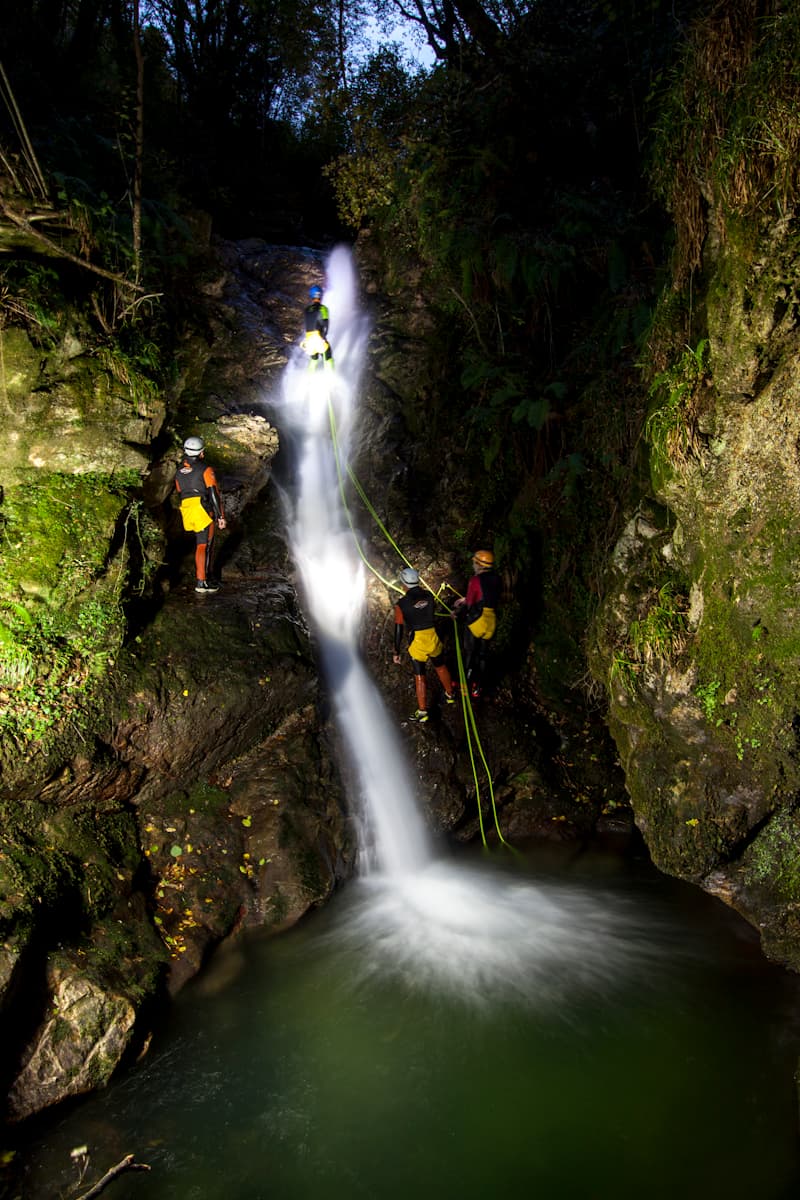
column 485, row 625
column 193, row 514
column 314, row 342
column 426, row 644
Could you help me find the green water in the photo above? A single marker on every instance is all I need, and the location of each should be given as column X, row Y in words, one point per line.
column 292, row 1072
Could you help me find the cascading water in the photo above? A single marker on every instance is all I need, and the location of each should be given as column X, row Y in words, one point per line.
column 475, row 932
column 332, row 575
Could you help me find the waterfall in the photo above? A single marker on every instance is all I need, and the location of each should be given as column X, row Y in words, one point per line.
column 394, row 840
column 474, row 931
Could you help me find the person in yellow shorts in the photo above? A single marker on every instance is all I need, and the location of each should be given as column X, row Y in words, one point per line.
column 479, row 609
column 201, row 508
column 414, row 612
column 315, row 339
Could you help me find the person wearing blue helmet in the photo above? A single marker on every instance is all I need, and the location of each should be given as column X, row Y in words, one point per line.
column 315, row 340
column 415, row 613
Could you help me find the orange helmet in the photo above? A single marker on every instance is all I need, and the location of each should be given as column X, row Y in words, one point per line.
column 484, row 558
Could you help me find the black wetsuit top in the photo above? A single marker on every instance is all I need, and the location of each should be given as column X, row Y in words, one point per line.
column 317, row 317
column 417, row 609
column 192, row 481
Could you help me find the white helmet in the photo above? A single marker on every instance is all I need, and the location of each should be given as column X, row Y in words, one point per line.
column 193, row 446
column 409, row 576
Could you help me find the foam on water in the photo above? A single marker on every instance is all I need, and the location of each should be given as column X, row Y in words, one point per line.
column 472, row 932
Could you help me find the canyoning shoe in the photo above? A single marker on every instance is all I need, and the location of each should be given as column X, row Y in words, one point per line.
column 420, row 715
column 206, row 585
column 452, row 698
column 475, row 691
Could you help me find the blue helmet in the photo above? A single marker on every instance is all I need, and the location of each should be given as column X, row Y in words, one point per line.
column 315, row 292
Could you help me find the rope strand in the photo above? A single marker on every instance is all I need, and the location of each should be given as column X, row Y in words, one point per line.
column 470, row 725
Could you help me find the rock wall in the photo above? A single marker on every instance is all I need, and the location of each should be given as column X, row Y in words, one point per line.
column 698, row 636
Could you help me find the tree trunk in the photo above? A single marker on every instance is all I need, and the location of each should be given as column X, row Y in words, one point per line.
column 139, row 152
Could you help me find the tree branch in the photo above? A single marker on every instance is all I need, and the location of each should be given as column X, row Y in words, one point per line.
column 127, row 1164
column 24, row 224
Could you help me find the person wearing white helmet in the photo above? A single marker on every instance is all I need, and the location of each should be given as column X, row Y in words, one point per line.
column 414, row 612
column 315, row 340
column 479, row 608
column 201, row 508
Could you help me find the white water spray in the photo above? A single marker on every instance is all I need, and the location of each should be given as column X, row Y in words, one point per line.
column 474, row 932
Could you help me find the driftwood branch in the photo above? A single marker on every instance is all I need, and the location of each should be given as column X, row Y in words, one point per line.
column 24, row 224
column 22, row 133
column 127, row 1164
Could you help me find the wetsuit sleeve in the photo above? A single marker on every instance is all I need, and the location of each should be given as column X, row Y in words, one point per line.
column 398, row 628
column 210, row 480
column 322, row 320
column 474, row 591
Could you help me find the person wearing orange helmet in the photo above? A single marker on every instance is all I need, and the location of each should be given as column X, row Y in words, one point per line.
column 479, row 609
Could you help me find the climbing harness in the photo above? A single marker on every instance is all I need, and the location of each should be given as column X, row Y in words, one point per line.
column 470, row 725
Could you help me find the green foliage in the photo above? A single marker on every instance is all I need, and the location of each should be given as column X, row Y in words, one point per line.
column 670, row 427
column 363, row 181
column 129, row 368
column 377, row 108
column 31, row 295
column 729, row 122
column 624, row 671
column 653, row 640
column 707, row 694
column 535, row 411
column 99, row 222
column 61, row 601
column 773, row 858
column 56, row 531
column 566, row 473
column 747, row 669
column 534, row 273
column 661, row 634
column 61, row 656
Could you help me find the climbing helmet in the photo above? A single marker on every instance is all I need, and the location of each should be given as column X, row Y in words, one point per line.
column 484, row 558
column 193, row 446
column 409, row 576
column 315, row 292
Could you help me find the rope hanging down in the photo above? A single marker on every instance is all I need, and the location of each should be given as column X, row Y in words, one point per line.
column 470, row 726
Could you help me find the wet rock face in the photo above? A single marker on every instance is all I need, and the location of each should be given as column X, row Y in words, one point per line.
column 63, row 412
column 76, row 1048
column 698, row 637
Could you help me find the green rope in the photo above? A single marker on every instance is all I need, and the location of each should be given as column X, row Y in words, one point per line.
column 368, row 506
column 334, row 438
column 470, row 725
column 466, row 705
